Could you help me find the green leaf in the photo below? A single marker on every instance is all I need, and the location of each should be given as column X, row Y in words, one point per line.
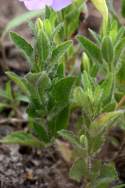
column 104, row 182
column 22, row 138
column 96, row 143
column 95, row 36
column 23, row 98
column 37, row 84
column 103, row 119
column 118, row 48
column 106, row 117
column 85, row 63
column 109, row 107
column 3, row 94
column 57, row 29
column 79, row 96
column 48, row 27
column 70, row 137
column 3, row 105
column 42, row 47
column 90, row 48
column 9, row 91
column 61, row 90
column 43, row 83
column 18, row 80
column 121, row 69
column 81, row 99
column 61, row 70
column 60, row 50
column 58, row 120
column 107, row 175
column 22, row 44
column 86, row 81
column 107, row 49
column 123, row 8
column 113, row 31
column 40, row 132
column 78, row 170
column 120, row 186
column 120, row 34
column 107, row 86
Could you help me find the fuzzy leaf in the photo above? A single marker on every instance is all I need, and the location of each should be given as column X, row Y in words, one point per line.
column 62, row 89
column 102, row 120
column 70, row 136
column 78, row 170
column 42, row 47
column 90, row 48
column 107, row 86
column 58, row 120
column 60, row 50
column 22, row 44
column 107, row 49
column 22, row 138
column 123, row 7
column 18, row 80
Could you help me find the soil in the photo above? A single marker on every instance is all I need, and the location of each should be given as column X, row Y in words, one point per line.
column 25, row 168
column 22, row 167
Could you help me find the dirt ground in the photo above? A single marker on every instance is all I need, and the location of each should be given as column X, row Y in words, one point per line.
column 22, row 167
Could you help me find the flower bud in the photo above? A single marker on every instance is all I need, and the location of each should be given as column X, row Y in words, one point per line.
column 39, row 25
column 84, row 141
column 85, row 65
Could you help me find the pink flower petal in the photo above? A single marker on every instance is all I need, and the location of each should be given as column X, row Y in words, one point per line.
column 36, row 4
column 60, row 4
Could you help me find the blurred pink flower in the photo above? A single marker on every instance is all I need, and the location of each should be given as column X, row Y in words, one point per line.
column 39, row 4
